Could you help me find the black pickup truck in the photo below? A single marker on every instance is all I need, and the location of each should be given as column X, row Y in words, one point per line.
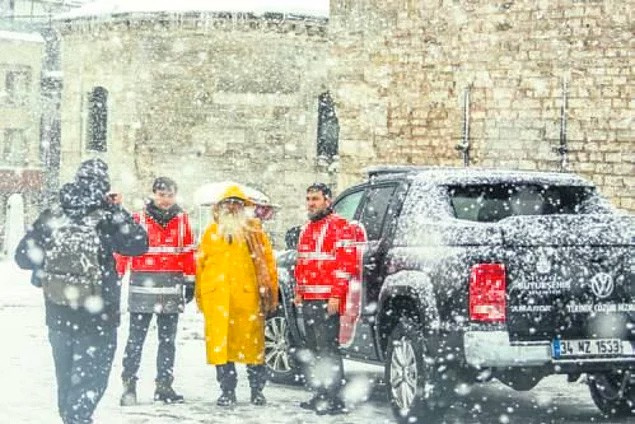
column 472, row 274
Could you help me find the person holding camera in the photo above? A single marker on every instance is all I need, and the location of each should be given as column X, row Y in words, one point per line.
column 70, row 250
column 161, row 283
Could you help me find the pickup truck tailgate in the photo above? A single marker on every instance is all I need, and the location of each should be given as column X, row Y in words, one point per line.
column 570, row 277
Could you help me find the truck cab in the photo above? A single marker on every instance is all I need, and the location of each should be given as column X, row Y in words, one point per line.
column 474, row 272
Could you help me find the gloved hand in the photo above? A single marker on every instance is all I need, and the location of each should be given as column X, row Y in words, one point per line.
column 36, row 279
column 188, row 292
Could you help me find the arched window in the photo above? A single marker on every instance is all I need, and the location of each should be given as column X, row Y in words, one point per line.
column 98, row 120
column 328, row 132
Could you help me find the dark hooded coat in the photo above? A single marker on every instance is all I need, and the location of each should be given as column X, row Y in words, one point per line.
column 118, row 232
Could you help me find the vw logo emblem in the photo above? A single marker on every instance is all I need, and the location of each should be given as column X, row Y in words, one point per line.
column 602, row 285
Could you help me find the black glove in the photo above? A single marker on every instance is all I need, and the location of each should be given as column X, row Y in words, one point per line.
column 35, row 278
column 188, row 292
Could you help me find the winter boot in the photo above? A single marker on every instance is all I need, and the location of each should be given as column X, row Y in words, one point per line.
column 257, row 398
column 317, row 402
column 333, row 407
column 227, row 398
column 165, row 393
column 129, row 396
column 310, row 404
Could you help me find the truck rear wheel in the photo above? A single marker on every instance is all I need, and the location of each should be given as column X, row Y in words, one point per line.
column 613, row 393
column 415, row 391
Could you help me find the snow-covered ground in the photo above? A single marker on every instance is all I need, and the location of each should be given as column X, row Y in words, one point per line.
column 28, row 393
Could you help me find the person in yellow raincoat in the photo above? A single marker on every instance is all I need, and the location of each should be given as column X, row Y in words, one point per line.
column 230, row 278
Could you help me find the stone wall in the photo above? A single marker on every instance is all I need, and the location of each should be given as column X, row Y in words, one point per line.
column 20, row 162
column 199, row 98
column 20, row 67
column 401, row 68
column 38, row 8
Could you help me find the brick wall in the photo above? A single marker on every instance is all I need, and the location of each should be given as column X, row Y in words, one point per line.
column 401, row 68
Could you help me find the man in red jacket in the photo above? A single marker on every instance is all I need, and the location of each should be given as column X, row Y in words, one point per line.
column 327, row 259
column 161, row 282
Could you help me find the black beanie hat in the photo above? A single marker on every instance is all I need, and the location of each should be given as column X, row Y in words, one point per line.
column 94, row 173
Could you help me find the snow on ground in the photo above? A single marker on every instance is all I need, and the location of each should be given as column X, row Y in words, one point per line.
column 21, row 36
column 28, row 393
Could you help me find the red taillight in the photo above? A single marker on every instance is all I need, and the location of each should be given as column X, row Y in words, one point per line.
column 487, row 293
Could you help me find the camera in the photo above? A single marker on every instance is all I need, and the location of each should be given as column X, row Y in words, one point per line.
column 112, row 197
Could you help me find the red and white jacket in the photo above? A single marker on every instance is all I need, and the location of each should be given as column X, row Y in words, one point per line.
column 329, row 255
column 171, row 248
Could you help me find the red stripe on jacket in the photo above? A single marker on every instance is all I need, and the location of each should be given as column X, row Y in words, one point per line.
column 171, row 248
column 328, row 256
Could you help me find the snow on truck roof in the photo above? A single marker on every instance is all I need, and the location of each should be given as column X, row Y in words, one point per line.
column 457, row 175
column 315, row 8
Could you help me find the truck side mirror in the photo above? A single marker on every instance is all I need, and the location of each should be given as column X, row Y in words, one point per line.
column 291, row 238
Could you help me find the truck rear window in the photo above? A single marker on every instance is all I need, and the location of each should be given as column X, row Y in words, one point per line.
column 493, row 202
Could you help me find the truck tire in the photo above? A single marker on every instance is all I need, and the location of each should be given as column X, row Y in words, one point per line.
column 605, row 392
column 280, row 359
column 415, row 391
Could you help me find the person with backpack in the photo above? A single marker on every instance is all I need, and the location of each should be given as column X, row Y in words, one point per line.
column 70, row 250
column 161, row 283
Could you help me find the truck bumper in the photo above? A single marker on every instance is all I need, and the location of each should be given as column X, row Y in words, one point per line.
column 492, row 349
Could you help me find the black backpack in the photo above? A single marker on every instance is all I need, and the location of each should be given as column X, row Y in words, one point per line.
column 72, row 273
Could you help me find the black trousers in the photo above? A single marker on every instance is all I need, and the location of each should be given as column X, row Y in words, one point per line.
column 324, row 369
column 82, row 367
column 226, row 377
column 167, row 325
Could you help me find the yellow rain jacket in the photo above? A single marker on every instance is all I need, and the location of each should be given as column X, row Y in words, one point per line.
column 227, row 293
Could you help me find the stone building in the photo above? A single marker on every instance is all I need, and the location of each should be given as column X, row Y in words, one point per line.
column 35, row 9
column 20, row 162
column 27, row 56
column 230, row 92
column 198, row 95
column 404, row 70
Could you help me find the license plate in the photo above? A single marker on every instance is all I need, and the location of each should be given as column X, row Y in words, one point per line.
column 586, row 348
